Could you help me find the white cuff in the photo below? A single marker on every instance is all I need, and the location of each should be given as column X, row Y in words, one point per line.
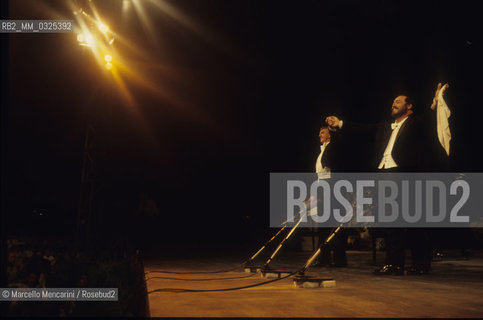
column 335, row 129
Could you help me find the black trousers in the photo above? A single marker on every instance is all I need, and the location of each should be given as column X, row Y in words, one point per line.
column 337, row 245
column 416, row 239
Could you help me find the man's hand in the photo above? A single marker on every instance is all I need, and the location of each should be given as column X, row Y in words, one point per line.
column 332, row 121
column 439, row 89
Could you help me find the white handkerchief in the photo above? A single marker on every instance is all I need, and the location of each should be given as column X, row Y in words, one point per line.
column 442, row 115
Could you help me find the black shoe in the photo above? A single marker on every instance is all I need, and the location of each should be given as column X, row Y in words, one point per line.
column 438, row 256
column 389, row 269
column 417, row 271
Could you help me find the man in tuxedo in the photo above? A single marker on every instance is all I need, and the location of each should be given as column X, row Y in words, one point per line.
column 329, row 161
column 408, row 143
column 325, row 161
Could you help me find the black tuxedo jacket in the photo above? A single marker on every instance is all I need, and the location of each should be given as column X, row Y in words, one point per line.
column 328, row 158
column 333, row 156
column 416, row 148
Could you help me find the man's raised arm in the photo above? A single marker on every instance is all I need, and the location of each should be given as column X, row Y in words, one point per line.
column 442, row 115
column 333, row 122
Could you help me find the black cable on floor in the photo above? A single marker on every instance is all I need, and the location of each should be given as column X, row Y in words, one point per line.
column 209, row 279
column 174, row 290
column 197, row 272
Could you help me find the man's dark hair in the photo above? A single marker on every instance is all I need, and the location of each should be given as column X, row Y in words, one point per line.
column 324, row 126
column 409, row 99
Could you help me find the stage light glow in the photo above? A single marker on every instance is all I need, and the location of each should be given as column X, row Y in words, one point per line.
column 144, row 19
column 89, row 39
column 86, row 39
column 126, row 5
column 95, row 34
column 102, row 27
column 185, row 20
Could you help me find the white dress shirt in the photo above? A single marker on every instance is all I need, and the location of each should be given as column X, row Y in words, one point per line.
column 387, row 160
column 323, row 172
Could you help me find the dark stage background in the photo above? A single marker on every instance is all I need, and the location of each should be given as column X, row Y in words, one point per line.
column 242, row 94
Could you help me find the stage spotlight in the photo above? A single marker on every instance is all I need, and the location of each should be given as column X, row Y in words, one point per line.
column 85, row 39
column 108, row 66
column 89, row 39
column 108, row 58
column 102, row 27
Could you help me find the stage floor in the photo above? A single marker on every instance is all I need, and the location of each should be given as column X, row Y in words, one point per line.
column 453, row 289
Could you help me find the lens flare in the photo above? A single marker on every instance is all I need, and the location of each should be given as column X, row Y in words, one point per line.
column 102, row 27
column 89, row 39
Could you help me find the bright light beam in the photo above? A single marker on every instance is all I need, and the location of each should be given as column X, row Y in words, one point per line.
column 102, row 27
column 145, row 22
